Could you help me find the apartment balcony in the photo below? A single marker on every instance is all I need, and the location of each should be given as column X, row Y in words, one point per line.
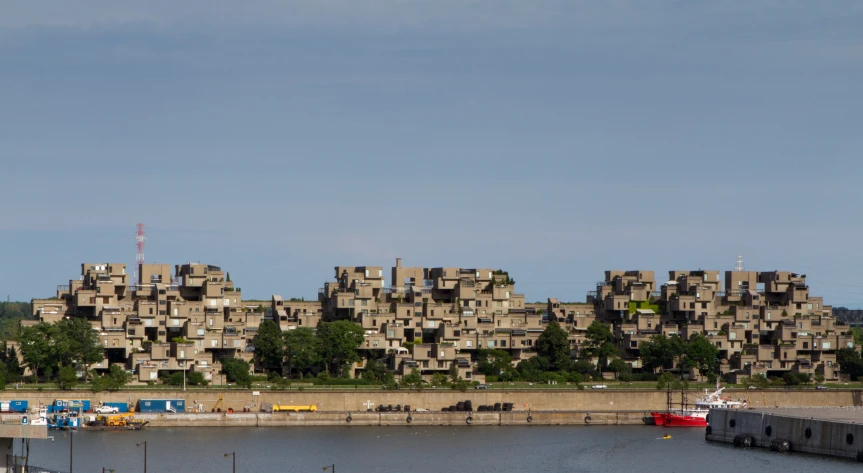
column 364, row 291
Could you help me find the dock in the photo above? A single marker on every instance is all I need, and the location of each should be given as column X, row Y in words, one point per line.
column 829, row 431
column 11, row 431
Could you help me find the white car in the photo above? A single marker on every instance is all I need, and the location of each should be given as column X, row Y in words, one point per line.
column 599, row 386
column 107, row 410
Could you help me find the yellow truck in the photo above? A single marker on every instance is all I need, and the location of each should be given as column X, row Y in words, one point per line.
column 281, row 408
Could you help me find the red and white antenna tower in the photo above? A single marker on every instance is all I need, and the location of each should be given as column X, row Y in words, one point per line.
column 139, row 256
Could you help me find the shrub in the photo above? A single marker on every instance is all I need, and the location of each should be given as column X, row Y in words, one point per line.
column 195, row 378
column 67, row 378
column 97, row 385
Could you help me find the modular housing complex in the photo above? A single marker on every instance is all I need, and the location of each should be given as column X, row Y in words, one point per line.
column 430, row 319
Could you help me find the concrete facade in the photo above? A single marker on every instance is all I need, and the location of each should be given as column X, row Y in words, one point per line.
column 191, row 317
column 186, row 320
column 826, row 431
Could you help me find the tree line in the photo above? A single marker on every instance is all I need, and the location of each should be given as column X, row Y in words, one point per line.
column 329, row 349
column 554, row 361
column 666, row 352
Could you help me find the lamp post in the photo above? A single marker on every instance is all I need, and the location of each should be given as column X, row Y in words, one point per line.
column 144, row 443
column 71, row 437
column 233, row 454
column 331, row 468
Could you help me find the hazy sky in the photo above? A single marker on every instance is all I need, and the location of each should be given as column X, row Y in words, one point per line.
column 551, row 138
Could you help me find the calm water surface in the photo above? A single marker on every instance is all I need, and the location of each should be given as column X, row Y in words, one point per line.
column 416, row 449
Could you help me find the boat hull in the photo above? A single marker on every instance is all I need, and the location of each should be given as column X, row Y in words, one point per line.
column 678, row 420
column 657, row 418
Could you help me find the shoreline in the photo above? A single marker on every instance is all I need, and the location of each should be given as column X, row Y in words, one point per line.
column 376, row 419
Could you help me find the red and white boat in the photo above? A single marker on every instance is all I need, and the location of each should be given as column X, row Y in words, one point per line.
column 696, row 416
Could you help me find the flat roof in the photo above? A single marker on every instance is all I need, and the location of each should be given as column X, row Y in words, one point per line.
column 853, row 415
column 17, row 430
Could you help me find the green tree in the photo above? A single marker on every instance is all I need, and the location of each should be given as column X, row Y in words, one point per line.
column 793, row 379
column 493, row 362
column 237, row 371
column 375, row 371
column 9, row 359
column 37, row 346
column 532, row 369
column 67, row 377
column 701, row 354
column 553, row 343
column 617, row 366
column 78, row 344
column 667, row 380
column 857, row 333
column 302, row 349
column 850, row 362
column 661, row 351
column 412, row 380
column 339, row 341
column 116, row 378
column 599, row 343
column 195, row 378
column 438, row 379
column 269, row 346
column 98, row 384
column 453, row 372
column 175, row 379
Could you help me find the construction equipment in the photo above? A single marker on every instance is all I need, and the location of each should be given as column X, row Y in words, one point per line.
column 280, row 408
column 217, row 407
column 118, row 421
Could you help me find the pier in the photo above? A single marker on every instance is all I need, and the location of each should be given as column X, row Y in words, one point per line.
column 9, row 432
column 830, row 431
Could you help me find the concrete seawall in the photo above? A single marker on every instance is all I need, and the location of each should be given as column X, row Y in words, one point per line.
column 301, row 419
column 434, row 400
column 836, row 432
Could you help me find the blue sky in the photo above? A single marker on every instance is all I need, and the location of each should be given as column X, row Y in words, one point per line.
column 554, row 139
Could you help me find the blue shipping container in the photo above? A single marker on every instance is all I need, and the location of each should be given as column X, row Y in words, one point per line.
column 122, row 406
column 14, row 405
column 161, row 405
column 63, row 405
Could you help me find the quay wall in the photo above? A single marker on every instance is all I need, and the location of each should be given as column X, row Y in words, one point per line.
column 300, row 419
column 837, row 436
column 361, row 400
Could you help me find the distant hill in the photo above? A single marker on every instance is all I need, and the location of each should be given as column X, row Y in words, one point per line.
column 848, row 316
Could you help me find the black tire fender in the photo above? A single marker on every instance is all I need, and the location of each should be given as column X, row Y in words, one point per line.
column 587, row 419
column 409, row 419
column 529, row 418
column 469, row 420
column 348, row 419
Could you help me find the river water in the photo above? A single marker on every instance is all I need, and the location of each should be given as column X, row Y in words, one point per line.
column 416, row 449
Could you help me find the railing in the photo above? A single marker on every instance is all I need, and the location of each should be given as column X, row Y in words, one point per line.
column 63, row 287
